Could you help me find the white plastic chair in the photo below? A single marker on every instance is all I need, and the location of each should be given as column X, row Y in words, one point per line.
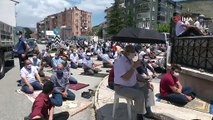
column 116, row 102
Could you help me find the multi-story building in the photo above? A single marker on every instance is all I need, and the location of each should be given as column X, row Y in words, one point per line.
column 71, row 22
column 149, row 13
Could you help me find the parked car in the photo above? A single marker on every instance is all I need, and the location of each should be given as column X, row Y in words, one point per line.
column 33, row 46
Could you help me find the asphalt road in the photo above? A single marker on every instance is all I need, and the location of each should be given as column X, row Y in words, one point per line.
column 14, row 106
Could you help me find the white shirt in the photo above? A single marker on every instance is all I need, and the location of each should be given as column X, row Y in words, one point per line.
column 105, row 58
column 180, row 28
column 38, row 62
column 74, row 58
column 88, row 63
column 29, row 74
column 141, row 54
column 197, row 24
column 121, row 66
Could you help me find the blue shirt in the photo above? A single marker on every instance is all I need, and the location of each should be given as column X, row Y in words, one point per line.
column 56, row 61
column 21, row 46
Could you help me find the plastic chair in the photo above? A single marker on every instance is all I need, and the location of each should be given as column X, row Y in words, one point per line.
column 116, row 102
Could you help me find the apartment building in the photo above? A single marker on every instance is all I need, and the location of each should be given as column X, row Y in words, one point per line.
column 70, row 22
column 149, row 13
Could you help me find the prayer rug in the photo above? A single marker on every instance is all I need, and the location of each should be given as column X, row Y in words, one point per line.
column 196, row 104
column 31, row 97
column 78, row 86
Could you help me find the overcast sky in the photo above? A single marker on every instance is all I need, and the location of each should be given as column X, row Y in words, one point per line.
column 29, row 12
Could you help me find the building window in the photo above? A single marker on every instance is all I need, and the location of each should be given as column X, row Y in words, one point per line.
column 153, row 9
column 128, row 4
column 153, row 17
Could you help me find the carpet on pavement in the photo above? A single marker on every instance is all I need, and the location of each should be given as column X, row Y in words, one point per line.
column 196, row 104
column 78, row 86
column 73, row 107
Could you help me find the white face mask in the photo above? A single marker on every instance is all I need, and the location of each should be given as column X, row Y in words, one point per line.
column 29, row 66
column 176, row 74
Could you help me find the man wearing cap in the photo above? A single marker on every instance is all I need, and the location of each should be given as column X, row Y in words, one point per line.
column 125, row 80
column 21, row 49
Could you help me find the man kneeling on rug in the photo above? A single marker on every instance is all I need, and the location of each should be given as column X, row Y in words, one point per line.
column 61, row 87
column 43, row 109
column 172, row 90
column 30, row 78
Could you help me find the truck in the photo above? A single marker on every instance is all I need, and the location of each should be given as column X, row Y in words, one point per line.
column 7, row 34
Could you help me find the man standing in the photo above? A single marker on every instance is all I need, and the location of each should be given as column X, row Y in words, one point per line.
column 21, row 49
column 125, row 83
column 171, row 89
column 30, row 78
column 61, row 87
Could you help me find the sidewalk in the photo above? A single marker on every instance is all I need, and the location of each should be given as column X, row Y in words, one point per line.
column 104, row 102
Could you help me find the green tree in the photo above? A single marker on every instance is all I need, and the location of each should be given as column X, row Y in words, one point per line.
column 116, row 19
column 28, row 32
column 100, row 32
column 163, row 27
column 129, row 15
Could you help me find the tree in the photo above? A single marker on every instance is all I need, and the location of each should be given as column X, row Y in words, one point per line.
column 116, row 19
column 100, row 32
column 28, row 32
column 129, row 14
column 163, row 27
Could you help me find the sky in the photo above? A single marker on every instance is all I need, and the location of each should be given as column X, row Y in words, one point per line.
column 29, row 12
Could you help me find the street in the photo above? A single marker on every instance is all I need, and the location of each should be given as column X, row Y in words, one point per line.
column 15, row 106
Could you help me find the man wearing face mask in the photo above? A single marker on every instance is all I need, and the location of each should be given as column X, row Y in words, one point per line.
column 61, row 87
column 36, row 61
column 88, row 65
column 21, row 49
column 74, row 59
column 125, row 83
column 30, row 78
column 56, row 60
column 143, row 69
column 172, row 90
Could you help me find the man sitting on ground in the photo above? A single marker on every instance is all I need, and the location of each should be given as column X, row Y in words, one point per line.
column 74, row 59
column 30, row 78
column 88, row 66
column 172, row 90
column 107, row 63
column 56, row 60
column 61, row 87
column 43, row 109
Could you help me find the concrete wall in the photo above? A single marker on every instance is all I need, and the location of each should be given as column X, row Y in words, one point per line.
column 201, row 82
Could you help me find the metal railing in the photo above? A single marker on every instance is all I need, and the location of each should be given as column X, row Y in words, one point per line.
column 193, row 52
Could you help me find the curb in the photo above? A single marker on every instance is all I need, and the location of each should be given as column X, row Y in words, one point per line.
column 95, row 102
